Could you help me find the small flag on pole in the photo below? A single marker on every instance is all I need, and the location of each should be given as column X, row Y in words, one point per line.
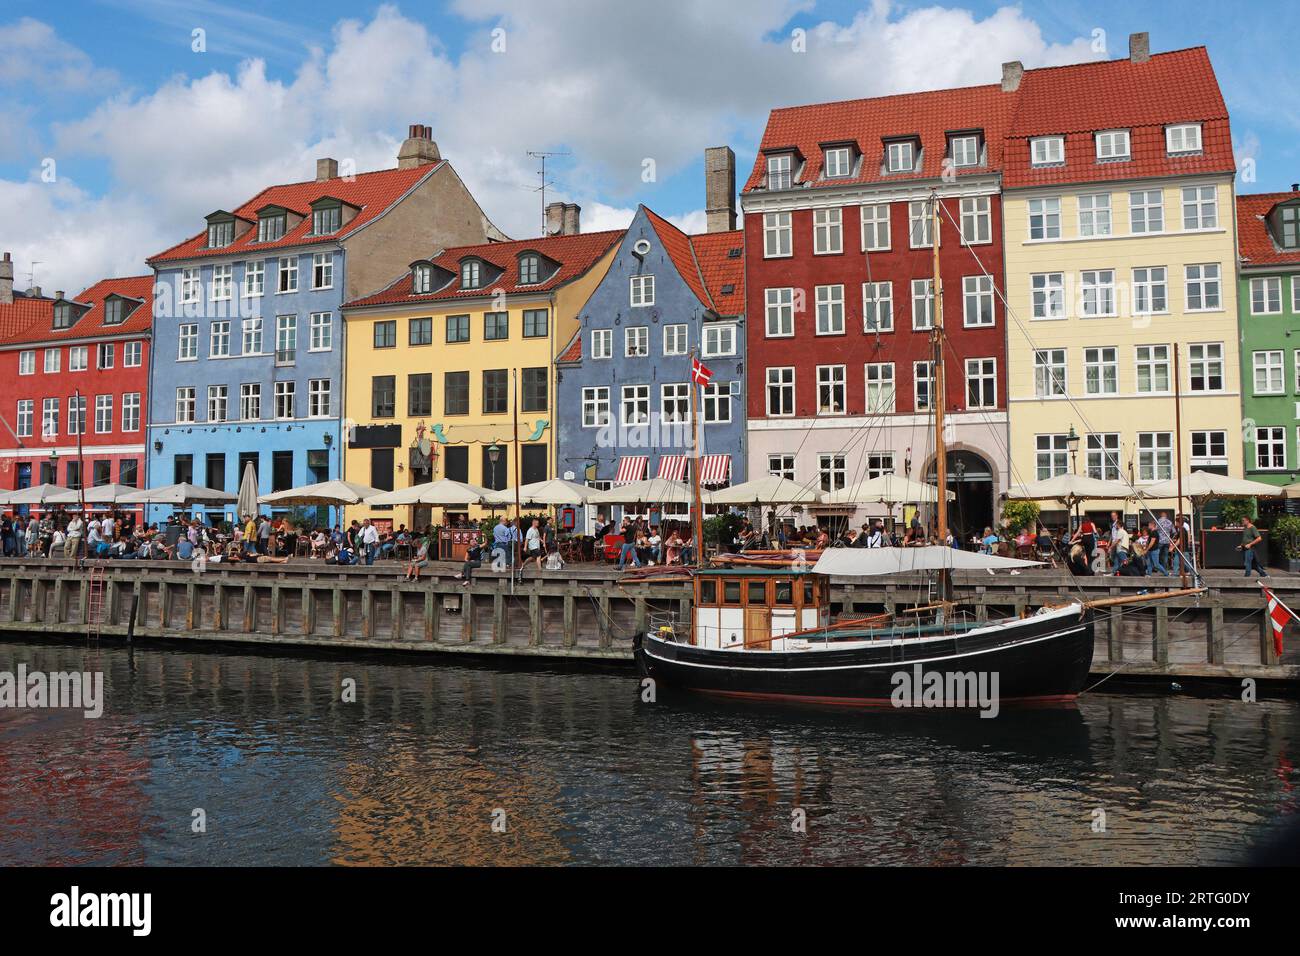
column 700, row 373
column 1279, row 614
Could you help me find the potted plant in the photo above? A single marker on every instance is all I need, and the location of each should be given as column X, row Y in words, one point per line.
column 1285, row 536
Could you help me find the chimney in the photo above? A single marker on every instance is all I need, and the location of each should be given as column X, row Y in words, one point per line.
column 6, row 280
column 572, row 212
column 720, row 188
column 1012, row 73
column 58, row 295
column 1139, row 47
column 326, row 168
column 554, row 218
column 34, row 292
column 418, row 150
column 1295, row 188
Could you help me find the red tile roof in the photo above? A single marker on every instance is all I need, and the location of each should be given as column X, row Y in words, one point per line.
column 22, row 312
column 573, row 351
column 1254, row 243
column 373, row 193
column 722, row 270
column 575, row 255
column 91, row 324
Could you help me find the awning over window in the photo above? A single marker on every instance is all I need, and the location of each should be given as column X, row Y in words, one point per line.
column 672, row 467
column 632, row 469
column 715, row 469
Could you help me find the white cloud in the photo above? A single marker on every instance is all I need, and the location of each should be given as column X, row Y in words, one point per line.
column 32, row 54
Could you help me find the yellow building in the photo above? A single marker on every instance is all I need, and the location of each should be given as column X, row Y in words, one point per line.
column 441, row 359
column 1120, row 237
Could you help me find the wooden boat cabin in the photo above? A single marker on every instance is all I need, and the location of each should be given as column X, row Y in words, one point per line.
column 752, row 609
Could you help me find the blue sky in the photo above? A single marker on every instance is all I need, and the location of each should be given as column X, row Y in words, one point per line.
column 146, row 135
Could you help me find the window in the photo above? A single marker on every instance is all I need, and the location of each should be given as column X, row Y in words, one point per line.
column 471, row 274
column 877, row 307
column 839, row 162
column 1048, row 294
column 964, row 150
column 1094, row 214
column 322, row 331
column 1101, row 370
column 875, row 228
column 1047, row 150
column 530, row 269
column 223, row 282
column 976, row 220
column 675, row 339
column 534, row 385
column 643, row 290
column 1270, row 448
column 878, row 465
column 1045, row 218
column 777, row 235
column 780, row 392
column 922, row 385
column 919, row 223
column 780, row 171
column 254, row 278
column 458, row 328
column 128, row 472
column 287, row 274
column 981, row 383
column 455, row 387
column 1112, row 145
column 26, row 415
column 922, row 304
column 187, row 342
column 780, row 313
column 719, row 341
column 78, row 358
column 830, row 390
column 675, row 403
column 635, row 407
column 219, row 339
column 419, row 394
column 1209, row 448
column 270, row 228
column 830, row 309
column 900, row 157
column 1052, row 456
column 496, row 326
column 1150, row 291
column 636, row 341
column 27, row 362
column 422, row 279
column 1203, row 288
column 1103, row 456
column 318, row 398
column 252, row 332
column 50, row 418
column 114, row 311
column 1049, row 373
column 1146, row 209
column 602, row 343
column 1265, row 299
column 1269, row 374
column 1155, row 456
column 1295, row 294
column 322, row 271
column 1200, row 207
column 104, row 355
column 1289, row 220
column 536, row 323
column 880, row 387
column 828, row 231
column 52, row 360
column 184, row 406
column 250, row 401
column 1097, row 293
column 221, row 234
column 717, row 403
column 595, row 407
column 383, row 396
column 326, row 220
column 1153, row 368
column 190, row 285
column 831, row 472
column 131, row 412
column 286, row 339
column 1205, row 366
column 1183, row 139
column 496, row 391
column 781, row 466
column 132, row 354
column 218, row 399
column 285, row 393
column 977, row 301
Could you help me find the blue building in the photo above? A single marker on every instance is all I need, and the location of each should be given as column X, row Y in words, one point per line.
column 624, row 400
column 247, row 360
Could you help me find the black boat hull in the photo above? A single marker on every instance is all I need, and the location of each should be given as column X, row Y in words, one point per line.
column 1041, row 658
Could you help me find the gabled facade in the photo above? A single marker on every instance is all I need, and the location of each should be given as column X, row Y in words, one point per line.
column 248, row 328
column 1269, row 297
column 624, row 392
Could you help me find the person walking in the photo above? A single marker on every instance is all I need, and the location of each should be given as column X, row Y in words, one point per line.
column 1250, row 542
column 629, row 545
column 264, row 536
column 1120, row 543
column 1165, row 527
column 503, row 541
column 533, row 548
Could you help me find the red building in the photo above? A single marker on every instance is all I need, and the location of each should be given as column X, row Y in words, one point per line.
column 73, row 377
column 839, row 266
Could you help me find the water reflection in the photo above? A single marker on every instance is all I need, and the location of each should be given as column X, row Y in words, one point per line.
column 580, row 771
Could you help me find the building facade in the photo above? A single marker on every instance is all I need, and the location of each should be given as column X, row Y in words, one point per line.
column 249, row 334
column 625, row 375
column 440, row 360
column 1120, row 251
column 1269, row 297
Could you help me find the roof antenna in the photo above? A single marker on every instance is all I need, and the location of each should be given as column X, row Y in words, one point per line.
column 541, row 173
column 31, row 274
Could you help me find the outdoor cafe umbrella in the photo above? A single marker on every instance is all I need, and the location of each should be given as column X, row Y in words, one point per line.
column 35, row 495
column 1070, row 489
column 443, row 493
column 336, row 492
column 99, row 495
column 555, row 491
column 887, row 489
column 768, row 490
column 246, row 504
column 653, row 491
column 182, row 495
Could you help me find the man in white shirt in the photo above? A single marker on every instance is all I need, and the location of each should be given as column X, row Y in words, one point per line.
column 370, row 539
column 73, row 541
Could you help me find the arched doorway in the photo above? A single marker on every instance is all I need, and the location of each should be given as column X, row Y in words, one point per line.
column 970, row 478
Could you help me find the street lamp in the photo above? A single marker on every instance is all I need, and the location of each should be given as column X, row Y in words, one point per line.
column 1072, row 440
column 494, row 455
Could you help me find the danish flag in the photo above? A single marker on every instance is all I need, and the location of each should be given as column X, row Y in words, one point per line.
column 1279, row 614
column 700, row 373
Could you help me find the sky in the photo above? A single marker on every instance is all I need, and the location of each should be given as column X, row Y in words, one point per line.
column 125, row 122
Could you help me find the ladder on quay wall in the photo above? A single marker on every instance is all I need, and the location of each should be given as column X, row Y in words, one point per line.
column 95, row 603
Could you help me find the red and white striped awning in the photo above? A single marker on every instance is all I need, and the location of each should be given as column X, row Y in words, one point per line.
column 632, row 468
column 715, row 469
column 672, row 467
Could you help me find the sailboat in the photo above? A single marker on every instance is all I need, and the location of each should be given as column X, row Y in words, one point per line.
column 767, row 632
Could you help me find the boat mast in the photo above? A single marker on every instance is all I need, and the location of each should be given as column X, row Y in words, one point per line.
column 698, row 530
column 938, row 382
column 1178, row 468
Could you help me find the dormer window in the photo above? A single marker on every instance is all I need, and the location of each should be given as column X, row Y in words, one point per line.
column 839, row 162
column 221, row 234
column 780, row 171
column 62, row 315
column 270, row 228
column 422, row 279
column 1112, row 145
column 900, row 156
column 1047, row 150
column 326, row 220
column 1287, row 226
column 471, row 274
column 964, row 149
column 530, row 269
column 114, row 311
column 1184, row 138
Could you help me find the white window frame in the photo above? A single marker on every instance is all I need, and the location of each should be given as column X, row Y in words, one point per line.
column 1047, row 151
column 250, row 402
column 1270, row 439
column 1097, row 298
column 218, row 403
column 53, row 360
column 132, row 354
column 828, row 231
column 320, row 396
column 1183, row 138
column 1152, row 447
column 223, row 282
column 321, row 334
column 191, row 286
column 1113, row 145
column 1102, row 456
column 786, row 384
column 219, row 339
column 900, row 156
column 1051, row 455
column 1152, row 359
column 718, row 340
column 602, row 343
column 880, row 388
column 595, row 406
column 779, row 312
column 922, row 386
column 832, row 378
column 778, row 235
column 780, row 171
column 964, row 150
column 1101, row 363
column 1044, row 218
column 286, row 275
column 642, row 291
column 1270, row 362
column 285, row 400
column 322, row 270
column 838, row 162
column 1095, row 215
column 830, row 309
column 877, row 297
column 1200, row 208
column 25, row 417
column 919, row 224
column 976, row 221
column 27, row 362
column 1264, row 282
column 876, row 234
column 1205, row 358
column 1147, row 282
column 187, row 342
column 715, row 397
column 636, row 398
column 185, row 402
column 983, row 371
column 922, row 296
column 676, row 339
column 979, row 291
column 1142, row 211
column 1051, row 374
column 636, row 341
column 78, row 358
column 254, row 278
column 1206, row 279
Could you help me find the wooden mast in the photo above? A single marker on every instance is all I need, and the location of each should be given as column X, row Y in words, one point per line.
column 698, row 530
column 1178, row 469
column 938, row 382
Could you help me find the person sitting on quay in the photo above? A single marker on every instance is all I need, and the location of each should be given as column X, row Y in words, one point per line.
column 473, row 560
column 419, row 560
column 673, row 548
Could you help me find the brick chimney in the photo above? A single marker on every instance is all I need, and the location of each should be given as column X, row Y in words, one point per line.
column 6, row 280
column 720, row 188
column 326, row 168
column 419, row 148
column 554, row 218
column 1012, row 74
column 572, row 219
column 1139, row 47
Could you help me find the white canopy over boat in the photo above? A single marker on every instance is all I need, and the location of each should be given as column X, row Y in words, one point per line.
column 871, row 562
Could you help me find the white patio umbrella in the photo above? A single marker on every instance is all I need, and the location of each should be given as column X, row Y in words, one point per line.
column 183, row 495
column 653, row 491
column 443, row 493
column 336, row 492
column 1070, row 489
column 99, row 495
column 35, row 495
column 887, row 489
column 246, row 503
column 555, row 491
column 768, row 490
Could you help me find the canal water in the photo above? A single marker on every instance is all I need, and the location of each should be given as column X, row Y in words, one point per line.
column 441, row 763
